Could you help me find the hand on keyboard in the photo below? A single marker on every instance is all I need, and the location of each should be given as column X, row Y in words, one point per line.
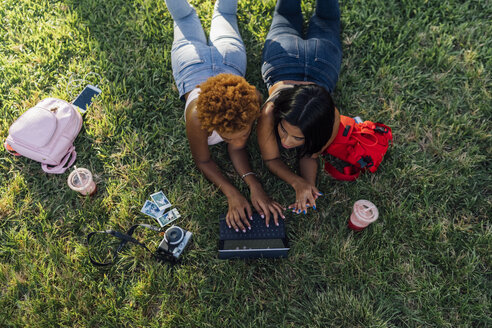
column 258, row 230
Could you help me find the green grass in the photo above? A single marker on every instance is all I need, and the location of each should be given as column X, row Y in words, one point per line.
column 422, row 67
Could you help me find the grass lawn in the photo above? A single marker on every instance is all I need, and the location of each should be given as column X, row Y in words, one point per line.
column 422, row 67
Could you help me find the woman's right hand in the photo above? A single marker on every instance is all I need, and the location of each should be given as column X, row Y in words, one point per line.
column 239, row 212
column 306, row 195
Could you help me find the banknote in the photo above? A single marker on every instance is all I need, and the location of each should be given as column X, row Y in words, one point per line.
column 168, row 217
column 161, row 200
column 151, row 210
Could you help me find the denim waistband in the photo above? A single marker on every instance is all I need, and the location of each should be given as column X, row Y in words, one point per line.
column 293, row 58
column 195, row 63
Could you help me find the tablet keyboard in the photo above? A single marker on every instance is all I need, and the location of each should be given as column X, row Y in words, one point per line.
column 258, row 229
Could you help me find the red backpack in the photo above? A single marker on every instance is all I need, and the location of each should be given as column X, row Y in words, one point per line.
column 361, row 145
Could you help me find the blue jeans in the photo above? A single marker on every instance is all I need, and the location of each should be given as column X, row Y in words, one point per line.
column 194, row 59
column 315, row 58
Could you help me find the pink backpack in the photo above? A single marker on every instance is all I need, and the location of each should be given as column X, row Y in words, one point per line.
column 45, row 133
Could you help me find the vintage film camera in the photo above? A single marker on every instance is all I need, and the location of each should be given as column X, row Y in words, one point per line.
column 174, row 242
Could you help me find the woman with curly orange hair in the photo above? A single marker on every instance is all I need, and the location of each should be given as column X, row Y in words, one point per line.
column 220, row 104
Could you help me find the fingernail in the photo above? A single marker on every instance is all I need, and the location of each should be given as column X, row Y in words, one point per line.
column 276, row 224
column 229, row 227
column 314, row 207
column 237, row 230
column 299, row 211
column 251, row 218
column 249, row 228
column 268, row 226
column 262, row 216
column 321, row 193
column 304, row 212
column 244, row 230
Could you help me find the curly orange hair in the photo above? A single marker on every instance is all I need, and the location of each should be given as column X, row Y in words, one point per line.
column 227, row 103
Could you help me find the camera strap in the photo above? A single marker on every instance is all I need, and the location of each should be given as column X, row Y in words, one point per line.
column 126, row 238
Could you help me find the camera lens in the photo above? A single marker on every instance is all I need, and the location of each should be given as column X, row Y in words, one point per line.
column 174, row 235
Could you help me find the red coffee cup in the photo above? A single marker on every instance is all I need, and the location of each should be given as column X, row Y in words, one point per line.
column 364, row 213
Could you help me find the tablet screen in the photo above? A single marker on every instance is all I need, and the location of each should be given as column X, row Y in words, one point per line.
column 253, row 244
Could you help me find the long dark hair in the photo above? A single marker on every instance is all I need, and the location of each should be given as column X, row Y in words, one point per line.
column 310, row 108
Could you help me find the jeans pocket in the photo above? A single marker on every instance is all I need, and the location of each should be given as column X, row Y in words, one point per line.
column 235, row 57
column 328, row 53
column 282, row 46
column 184, row 56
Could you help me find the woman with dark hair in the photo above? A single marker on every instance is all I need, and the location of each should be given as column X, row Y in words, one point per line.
column 300, row 73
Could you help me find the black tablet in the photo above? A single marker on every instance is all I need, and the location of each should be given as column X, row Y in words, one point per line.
column 258, row 242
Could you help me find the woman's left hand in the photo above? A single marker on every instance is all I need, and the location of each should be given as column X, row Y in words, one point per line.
column 264, row 205
column 306, row 195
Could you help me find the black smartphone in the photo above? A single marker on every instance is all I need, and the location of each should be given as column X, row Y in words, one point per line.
column 84, row 99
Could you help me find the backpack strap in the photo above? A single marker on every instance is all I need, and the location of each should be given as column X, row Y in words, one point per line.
column 366, row 135
column 10, row 150
column 350, row 172
column 61, row 168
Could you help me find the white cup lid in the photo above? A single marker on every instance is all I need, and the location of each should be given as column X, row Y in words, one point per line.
column 366, row 211
column 79, row 179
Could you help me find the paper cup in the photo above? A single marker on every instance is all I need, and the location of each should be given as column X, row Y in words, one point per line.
column 81, row 181
column 364, row 213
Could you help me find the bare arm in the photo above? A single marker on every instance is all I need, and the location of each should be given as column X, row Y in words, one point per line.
column 239, row 209
column 269, row 147
column 260, row 200
column 239, row 158
column 304, row 185
column 201, row 155
column 308, row 167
